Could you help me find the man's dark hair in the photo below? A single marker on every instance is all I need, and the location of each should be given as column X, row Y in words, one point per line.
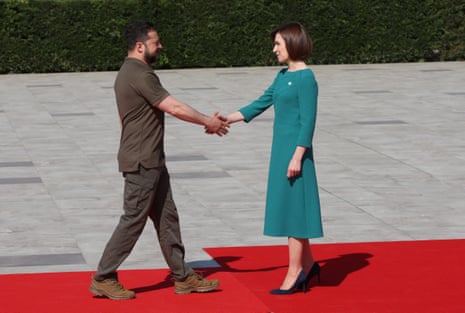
column 138, row 32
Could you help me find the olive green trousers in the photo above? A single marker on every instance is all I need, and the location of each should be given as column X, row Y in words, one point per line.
column 147, row 194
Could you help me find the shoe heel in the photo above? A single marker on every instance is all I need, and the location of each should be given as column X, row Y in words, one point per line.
column 304, row 286
column 314, row 271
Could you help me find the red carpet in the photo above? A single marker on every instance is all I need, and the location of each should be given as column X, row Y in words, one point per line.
column 413, row 276
column 410, row 276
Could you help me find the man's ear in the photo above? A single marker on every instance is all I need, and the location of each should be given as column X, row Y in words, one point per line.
column 140, row 47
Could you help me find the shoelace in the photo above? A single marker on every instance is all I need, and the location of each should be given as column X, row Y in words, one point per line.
column 117, row 284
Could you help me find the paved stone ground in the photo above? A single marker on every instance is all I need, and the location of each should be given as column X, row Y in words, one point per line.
column 389, row 148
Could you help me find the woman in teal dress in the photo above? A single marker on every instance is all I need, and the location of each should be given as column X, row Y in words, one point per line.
column 292, row 201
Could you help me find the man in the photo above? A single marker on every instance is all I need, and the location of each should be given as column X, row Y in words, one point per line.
column 142, row 102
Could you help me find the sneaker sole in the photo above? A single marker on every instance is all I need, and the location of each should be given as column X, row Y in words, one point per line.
column 190, row 290
column 102, row 293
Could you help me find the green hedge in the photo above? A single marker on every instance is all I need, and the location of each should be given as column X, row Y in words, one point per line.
column 87, row 35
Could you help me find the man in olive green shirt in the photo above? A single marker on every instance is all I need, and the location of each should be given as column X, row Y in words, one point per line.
column 142, row 103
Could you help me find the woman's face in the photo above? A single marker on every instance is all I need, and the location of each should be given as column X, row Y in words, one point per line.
column 280, row 49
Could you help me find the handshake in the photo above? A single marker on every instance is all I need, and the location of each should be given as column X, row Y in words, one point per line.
column 217, row 124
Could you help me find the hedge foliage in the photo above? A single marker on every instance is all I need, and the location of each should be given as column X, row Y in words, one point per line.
column 88, row 35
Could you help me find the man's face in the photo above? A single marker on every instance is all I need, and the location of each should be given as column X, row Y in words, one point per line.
column 151, row 47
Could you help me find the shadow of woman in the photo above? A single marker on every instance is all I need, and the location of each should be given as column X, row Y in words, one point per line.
column 335, row 270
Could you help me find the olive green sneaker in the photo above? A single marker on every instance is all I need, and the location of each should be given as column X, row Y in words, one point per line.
column 111, row 288
column 195, row 283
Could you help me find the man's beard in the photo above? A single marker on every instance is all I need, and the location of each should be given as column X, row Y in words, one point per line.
column 150, row 58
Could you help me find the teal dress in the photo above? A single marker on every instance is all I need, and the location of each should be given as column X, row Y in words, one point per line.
column 292, row 205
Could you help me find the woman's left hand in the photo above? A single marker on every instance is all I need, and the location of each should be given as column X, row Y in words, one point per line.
column 295, row 165
column 294, row 168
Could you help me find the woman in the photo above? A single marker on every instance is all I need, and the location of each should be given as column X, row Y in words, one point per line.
column 292, row 202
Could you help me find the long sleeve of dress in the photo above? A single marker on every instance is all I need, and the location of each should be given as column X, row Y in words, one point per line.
column 308, row 95
column 260, row 105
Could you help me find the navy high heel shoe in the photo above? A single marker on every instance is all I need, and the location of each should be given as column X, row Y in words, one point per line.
column 299, row 281
column 314, row 271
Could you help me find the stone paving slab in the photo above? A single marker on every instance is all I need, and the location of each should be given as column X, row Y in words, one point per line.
column 389, row 150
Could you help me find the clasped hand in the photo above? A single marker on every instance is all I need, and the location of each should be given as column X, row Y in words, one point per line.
column 217, row 124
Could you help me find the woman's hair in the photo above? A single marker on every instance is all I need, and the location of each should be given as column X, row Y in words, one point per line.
column 138, row 32
column 298, row 43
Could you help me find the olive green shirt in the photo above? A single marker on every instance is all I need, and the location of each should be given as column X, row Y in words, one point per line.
column 137, row 90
